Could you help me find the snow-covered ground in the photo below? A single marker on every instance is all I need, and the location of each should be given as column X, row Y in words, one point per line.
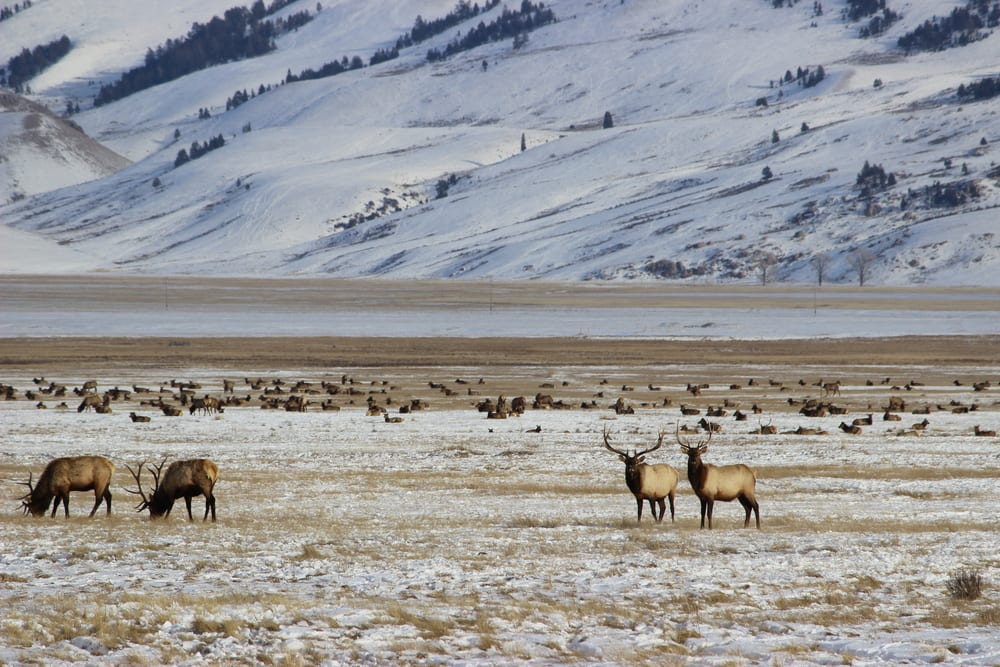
column 452, row 539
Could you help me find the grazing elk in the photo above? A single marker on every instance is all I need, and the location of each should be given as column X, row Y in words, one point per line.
column 183, row 479
column 651, row 482
column 62, row 475
column 723, row 483
column 207, row 405
column 93, row 402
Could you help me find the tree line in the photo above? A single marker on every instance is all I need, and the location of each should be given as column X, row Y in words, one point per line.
column 9, row 12
column 983, row 89
column 423, row 30
column 198, row 149
column 962, row 26
column 509, row 24
column 241, row 33
column 29, row 64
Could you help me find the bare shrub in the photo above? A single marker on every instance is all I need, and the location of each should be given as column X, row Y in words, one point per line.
column 965, row 585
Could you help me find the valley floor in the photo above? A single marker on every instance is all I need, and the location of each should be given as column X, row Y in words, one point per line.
column 449, row 538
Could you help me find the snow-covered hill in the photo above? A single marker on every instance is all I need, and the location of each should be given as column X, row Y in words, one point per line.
column 340, row 176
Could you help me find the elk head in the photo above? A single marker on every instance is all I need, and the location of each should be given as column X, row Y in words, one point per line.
column 694, row 452
column 146, row 502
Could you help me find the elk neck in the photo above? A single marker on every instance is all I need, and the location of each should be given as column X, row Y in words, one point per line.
column 696, row 471
column 632, row 477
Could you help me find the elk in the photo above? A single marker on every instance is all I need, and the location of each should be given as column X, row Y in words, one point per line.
column 988, row 434
column 62, row 475
column 831, row 388
column 93, row 402
column 207, row 405
column 852, row 429
column 767, row 429
column 183, row 479
column 651, row 482
column 723, row 483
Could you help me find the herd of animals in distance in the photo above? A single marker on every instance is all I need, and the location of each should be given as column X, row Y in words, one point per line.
column 655, row 484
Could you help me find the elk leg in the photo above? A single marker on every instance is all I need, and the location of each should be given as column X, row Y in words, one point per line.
column 663, row 508
column 710, row 505
column 638, row 502
column 107, row 497
column 187, row 501
column 747, row 507
column 210, row 502
column 671, row 497
column 704, row 510
column 97, row 503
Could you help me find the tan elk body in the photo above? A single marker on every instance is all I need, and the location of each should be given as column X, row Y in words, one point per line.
column 183, row 479
column 724, row 483
column 62, row 475
column 650, row 482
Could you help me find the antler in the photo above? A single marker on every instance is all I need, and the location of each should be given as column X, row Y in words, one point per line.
column 136, row 474
column 658, row 444
column 607, row 443
column 685, row 447
column 31, row 488
column 26, row 498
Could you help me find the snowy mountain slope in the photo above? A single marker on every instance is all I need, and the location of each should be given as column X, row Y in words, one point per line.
column 339, row 176
column 40, row 151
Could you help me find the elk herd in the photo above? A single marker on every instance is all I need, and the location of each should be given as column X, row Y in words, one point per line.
column 654, row 484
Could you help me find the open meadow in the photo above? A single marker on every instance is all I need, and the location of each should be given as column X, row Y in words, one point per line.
column 446, row 537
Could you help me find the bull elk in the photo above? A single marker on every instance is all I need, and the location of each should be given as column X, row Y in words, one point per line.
column 62, row 475
column 724, row 483
column 648, row 482
column 183, row 479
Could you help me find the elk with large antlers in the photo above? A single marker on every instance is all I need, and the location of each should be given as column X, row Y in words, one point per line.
column 183, row 479
column 648, row 482
column 723, row 483
column 76, row 473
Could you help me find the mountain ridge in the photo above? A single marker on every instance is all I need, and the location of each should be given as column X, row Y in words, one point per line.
column 711, row 172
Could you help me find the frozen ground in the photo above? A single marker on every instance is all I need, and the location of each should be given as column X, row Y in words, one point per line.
column 102, row 305
column 451, row 539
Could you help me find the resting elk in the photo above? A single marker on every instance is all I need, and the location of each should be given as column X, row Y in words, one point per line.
column 62, row 475
column 724, row 483
column 647, row 482
column 183, row 479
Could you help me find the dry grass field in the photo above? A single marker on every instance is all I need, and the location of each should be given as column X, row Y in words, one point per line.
column 450, row 538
